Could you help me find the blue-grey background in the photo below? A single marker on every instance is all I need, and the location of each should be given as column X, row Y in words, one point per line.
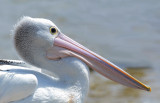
column 126, row 32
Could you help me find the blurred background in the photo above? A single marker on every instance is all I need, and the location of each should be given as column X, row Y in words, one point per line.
column 126, row 32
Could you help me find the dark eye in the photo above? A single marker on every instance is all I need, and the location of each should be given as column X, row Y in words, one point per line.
column 53, row 30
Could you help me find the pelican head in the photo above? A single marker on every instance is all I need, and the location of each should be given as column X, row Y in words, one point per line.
column 39, row 40
column 33, row 37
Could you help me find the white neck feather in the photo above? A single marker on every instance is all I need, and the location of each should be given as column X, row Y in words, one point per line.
column 70, row 71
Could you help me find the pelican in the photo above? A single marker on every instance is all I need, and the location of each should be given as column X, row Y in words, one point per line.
column 41, row 44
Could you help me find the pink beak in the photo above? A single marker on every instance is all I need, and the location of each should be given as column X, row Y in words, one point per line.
column 64, row 46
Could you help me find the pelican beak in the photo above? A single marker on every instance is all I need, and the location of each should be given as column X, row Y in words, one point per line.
column 65, row 46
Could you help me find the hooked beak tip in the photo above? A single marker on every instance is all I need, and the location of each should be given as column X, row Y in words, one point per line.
column 149, row 89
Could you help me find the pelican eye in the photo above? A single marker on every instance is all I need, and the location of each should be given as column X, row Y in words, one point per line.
column 53, row 30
